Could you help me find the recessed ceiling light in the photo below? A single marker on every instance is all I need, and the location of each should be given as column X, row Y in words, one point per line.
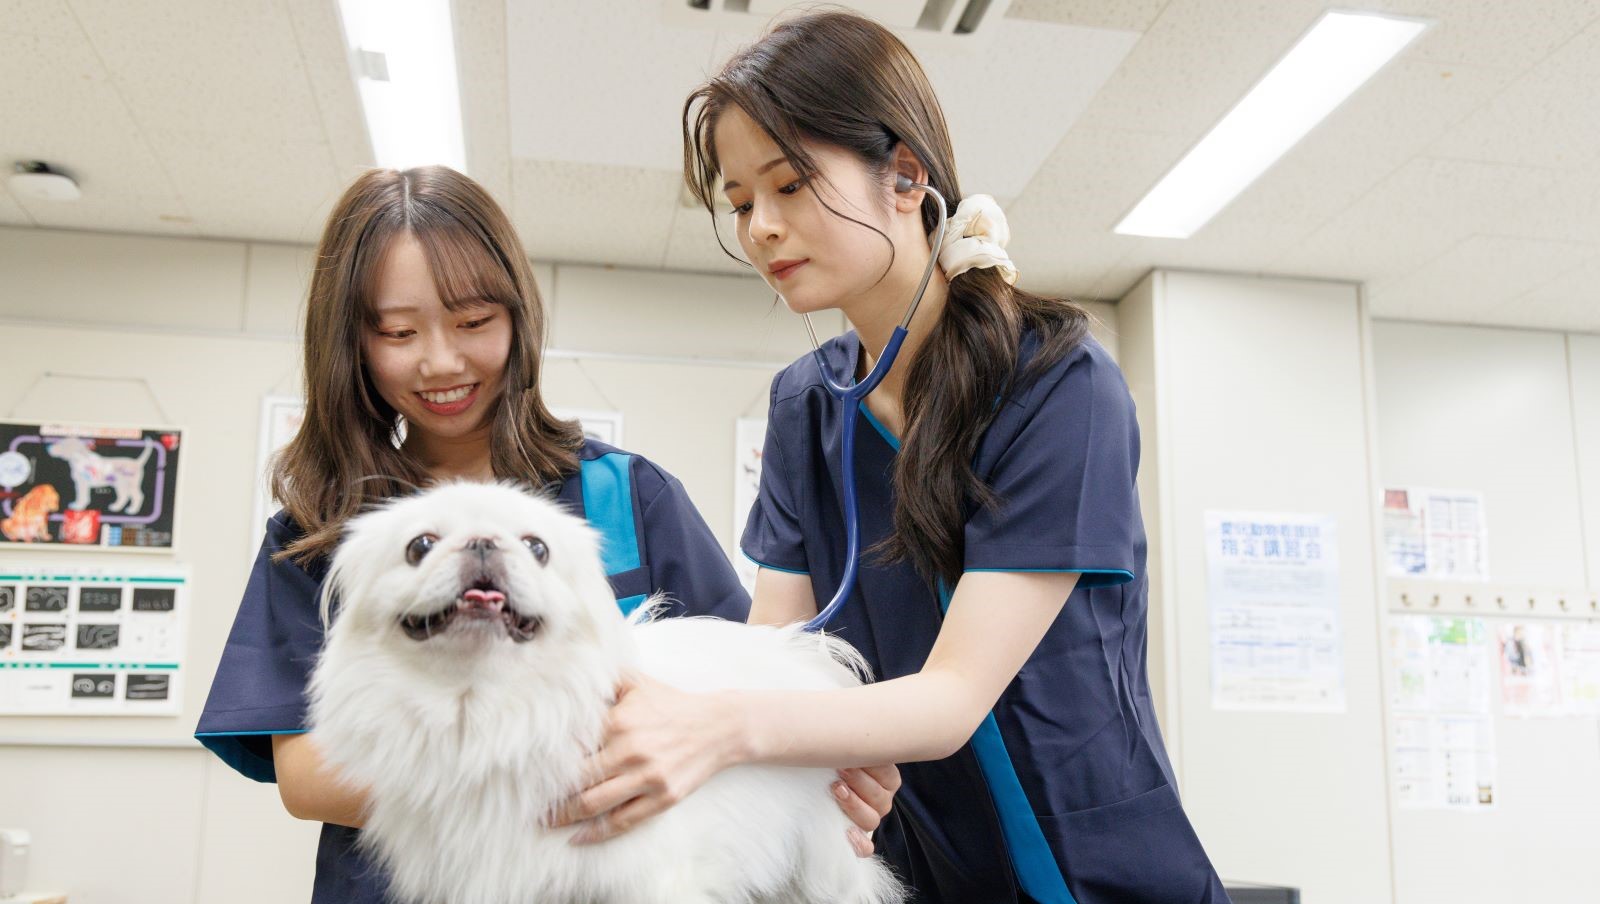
column 1337, row 56
column 404, row 61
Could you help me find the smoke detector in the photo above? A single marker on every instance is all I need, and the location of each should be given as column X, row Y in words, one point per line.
column 961, row 21
column 34, row 180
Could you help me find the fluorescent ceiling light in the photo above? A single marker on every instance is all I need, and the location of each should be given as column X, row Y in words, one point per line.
column 404, row 59
column 1336, row 57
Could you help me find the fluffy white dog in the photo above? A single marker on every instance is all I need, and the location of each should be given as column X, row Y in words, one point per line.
column 468, row 672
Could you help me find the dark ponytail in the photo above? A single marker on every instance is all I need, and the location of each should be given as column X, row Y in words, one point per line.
column 839, row 79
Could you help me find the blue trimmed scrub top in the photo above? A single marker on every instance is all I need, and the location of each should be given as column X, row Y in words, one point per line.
column 1065, row 793
column 259, row 688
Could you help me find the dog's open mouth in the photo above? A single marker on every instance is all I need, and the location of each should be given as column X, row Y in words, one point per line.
column 480, row 602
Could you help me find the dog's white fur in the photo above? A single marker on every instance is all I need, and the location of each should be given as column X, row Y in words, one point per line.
column 468, row 739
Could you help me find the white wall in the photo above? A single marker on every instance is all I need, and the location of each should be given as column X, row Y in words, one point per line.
column 1516, row 415
column 1282, row 395
column 211, row 327
column 1252, row 396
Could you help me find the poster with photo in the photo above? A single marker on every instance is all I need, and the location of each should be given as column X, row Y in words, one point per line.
column 80, row 486
column 82, row 642
column 1530, row 670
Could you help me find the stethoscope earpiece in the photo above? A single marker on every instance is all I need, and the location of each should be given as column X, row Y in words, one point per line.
column 902, row 183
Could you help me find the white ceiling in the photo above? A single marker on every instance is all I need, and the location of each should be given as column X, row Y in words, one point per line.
column 1462, row 184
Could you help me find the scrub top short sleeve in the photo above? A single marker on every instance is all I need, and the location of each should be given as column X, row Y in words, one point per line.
column 773, row 537
column 1065, row 479
column 686, row 562
column 259, row 688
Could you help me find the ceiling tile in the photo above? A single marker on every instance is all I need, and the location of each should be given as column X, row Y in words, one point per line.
column 241, row 70
column 1414, row 215
column 38, row 17
column 693, row 245
column 568, row 212
column 1570, row 302
column 618, row 118
column 1545, row 118
column 1479, row 281
column 1135, row 15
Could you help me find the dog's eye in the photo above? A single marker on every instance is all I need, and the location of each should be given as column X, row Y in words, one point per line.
column 419, row 547
column 537, row 547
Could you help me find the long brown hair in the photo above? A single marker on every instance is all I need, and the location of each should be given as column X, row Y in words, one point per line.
column 836, row 78
column 347, row 454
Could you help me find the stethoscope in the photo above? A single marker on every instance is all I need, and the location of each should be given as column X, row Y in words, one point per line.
column 851, row 396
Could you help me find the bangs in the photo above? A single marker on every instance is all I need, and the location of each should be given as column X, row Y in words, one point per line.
column 465, row 268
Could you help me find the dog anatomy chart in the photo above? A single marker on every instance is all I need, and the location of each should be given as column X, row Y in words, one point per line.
column 78, row 486
column 91, row 642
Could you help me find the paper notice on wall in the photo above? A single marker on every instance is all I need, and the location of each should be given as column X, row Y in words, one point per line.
column 1444, row 761
column 750, row 436
column 1435, row 534
column 1440, row 664
column 1273, row 593
column 1443, row 732
column 1580, row 668
column 1530, row 670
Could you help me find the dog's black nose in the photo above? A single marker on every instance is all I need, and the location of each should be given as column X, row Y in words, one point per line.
column 482, row 545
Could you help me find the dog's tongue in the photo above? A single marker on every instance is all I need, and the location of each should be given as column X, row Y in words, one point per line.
column 484, row 598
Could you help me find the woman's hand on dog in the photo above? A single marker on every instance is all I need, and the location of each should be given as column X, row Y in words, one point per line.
column 662, row 743
column 866, row 795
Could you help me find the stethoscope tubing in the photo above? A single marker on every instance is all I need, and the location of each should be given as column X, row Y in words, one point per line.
column 851, row 396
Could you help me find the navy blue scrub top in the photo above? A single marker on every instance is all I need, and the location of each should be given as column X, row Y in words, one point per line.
column 1068, row 777
column 259, row 689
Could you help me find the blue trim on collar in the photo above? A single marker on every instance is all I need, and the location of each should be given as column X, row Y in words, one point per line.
column 890, row 438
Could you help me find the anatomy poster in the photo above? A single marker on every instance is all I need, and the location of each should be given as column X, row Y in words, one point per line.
column 91, row 642
column 88, row 487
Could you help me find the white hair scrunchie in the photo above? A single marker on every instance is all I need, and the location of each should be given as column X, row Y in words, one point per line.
column 976, row 238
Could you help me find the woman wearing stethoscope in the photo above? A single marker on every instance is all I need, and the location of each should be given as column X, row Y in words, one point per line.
column 1002, row 595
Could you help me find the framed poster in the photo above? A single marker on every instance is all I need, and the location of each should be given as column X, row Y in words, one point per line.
column 78, row 486
column 605, row 426
column 280, row 421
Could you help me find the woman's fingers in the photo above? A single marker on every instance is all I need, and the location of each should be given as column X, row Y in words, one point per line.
column 887, row 775
column 876, row 787
column 860, row 812
column 620, row 820
column 608, row 793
